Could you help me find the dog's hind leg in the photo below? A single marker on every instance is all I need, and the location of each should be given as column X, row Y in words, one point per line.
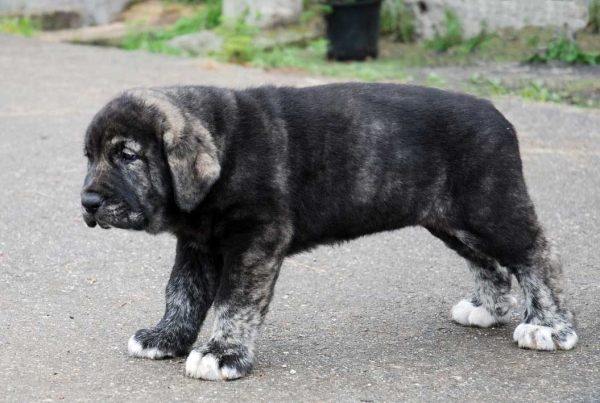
column 548, row 324
column 509, row 233
column 189, row 295
column 490, row 302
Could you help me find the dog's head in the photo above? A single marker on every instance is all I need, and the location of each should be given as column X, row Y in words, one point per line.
column 147, row 159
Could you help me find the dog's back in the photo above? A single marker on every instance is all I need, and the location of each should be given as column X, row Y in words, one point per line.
column 363, row 158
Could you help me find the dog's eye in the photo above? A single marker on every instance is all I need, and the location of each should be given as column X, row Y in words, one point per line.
column 128, row 155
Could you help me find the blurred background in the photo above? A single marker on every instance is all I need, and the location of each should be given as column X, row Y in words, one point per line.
column 538, row 49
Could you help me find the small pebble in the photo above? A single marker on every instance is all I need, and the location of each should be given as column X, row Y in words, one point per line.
column 292, row 371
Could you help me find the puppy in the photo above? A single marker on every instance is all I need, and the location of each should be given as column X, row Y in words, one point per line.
column 245, row 178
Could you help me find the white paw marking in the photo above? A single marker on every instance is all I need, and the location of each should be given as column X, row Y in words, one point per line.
column 230, row 373
column 467, row 314
column 137, row 350
column 204, row 367
column 207, row 367
column 537, row 337
column 569, row 343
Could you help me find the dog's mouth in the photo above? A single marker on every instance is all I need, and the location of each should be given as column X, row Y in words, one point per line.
column 115, row 217
column 89, row 219
column 103, row 225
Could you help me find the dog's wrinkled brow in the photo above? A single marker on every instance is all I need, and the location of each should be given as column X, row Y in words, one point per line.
column 127, row 143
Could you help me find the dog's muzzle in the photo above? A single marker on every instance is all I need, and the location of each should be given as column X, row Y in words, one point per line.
column 91, row 202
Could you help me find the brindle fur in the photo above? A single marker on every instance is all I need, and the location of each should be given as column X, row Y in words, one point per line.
column 245, row 178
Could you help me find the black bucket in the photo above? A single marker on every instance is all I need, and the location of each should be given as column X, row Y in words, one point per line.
column 353, row 30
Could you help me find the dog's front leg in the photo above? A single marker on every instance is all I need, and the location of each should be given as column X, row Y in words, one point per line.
column 240, row 306
column 189, row 294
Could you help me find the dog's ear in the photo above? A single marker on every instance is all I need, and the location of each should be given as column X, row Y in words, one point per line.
column 194, row 164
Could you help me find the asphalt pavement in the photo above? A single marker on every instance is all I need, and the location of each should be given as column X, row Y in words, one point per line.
column 366, row 321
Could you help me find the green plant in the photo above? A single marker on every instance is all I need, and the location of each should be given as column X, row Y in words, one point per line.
column 397, row 20
column 475, row 79
column 312, row 9
column 327, row 9
column 156, row 40
column 478, row 41
column 594, row 16
column 239, row 49
column 492, row 86
column 194, row 2
column 435, row 80
column 312, row 59
column 238, row 36
column 18, row 26
column 451, row 36
column 496, row 87
column 537, row 91
column 566, row 50
column 532, row 41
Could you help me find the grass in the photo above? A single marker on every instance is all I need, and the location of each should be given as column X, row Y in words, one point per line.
column 23, row 26
column 479, row 41
column 156, row 41
column 312, row 9
column 238, row 46
column 449, row 48
column 594, row 16
column 191, row 2
column 537, row 91
column 451, row 36
column 573, row 93
column 312, row 59
column 396, row 57
column 397, row 20
column 568, row 51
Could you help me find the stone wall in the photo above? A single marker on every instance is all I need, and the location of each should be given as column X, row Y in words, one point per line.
column 264, row 13
column 497, row 14
column 60, row 14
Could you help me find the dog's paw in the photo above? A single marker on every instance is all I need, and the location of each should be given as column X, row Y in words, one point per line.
column 152, row 344
column 213, row 366
column 536, row 337
column 467, row 314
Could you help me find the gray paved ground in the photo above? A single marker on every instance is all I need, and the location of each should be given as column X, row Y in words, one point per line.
column 366, row 321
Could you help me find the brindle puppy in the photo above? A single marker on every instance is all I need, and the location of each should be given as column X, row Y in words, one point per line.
column 245, row 178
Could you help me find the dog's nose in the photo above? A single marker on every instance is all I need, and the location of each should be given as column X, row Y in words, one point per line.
column 91, row 201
